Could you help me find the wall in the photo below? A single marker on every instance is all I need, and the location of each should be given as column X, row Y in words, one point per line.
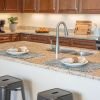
column 38, row 79
column 5, row 16
column 51, row 20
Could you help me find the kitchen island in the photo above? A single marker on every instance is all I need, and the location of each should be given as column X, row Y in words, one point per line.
column 39, row 77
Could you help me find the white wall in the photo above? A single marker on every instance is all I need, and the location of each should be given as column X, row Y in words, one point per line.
column 50, row 20
column 5, row 17
column 38, row 79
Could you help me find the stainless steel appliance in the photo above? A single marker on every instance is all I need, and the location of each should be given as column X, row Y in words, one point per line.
column 98, row 43
column 2, row 22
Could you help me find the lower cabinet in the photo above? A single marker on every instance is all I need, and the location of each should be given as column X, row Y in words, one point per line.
column 5, row 38
column 83, row 43
column 25, row 37
column 64, row 41
column 9, row 38
column 40, row 38
column 15, row 37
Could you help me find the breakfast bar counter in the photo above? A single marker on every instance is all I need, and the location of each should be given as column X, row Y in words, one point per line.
column 38, row 76
column 47, row 55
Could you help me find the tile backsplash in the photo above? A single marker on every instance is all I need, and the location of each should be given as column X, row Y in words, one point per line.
column 5, row 16
column 50, row 20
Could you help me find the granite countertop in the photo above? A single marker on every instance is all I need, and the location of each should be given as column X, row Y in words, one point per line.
column 48, row 55
column 53, row 33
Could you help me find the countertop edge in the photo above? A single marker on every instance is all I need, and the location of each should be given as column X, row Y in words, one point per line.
column 80, row 74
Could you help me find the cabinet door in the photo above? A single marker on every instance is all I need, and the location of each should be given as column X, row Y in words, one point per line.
column 29, row 5
column 40, row 38
column 62, row 41
column 67, row 6
column 90, row 6
column 25, row 37
column 15, row 37
column 5, row 38
column 46, row 6
column 81, row 43
column 2, row 5
column 12, row 6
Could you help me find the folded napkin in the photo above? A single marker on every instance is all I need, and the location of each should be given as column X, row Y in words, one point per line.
column 23, row 49
column 19, row 49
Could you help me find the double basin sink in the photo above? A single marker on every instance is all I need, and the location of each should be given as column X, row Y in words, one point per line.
column 72, row 51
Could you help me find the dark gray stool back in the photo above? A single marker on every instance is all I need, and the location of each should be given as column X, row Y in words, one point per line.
column 9, row 83
column 55, row 94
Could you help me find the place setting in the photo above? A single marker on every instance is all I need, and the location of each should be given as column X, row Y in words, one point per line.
column 74, row 61
column 79, row 63
column 21, row 52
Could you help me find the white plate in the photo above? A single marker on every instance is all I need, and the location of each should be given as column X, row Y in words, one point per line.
column 82, row 61
column 15, row 52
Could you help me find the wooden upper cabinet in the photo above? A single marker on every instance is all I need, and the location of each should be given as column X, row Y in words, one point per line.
column 2, row 5
column 46, row 6
column 29, row 5
column 12, row 5
column 67, row 6
column 51, row 6
column 90, row 6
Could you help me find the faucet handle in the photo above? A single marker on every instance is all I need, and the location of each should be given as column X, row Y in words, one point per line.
column 66, row 31
column 52, row 45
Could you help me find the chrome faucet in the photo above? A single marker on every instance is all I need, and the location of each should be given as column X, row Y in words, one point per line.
column 57, row 35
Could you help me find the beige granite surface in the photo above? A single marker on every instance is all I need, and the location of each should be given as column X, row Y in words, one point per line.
column 48, row 55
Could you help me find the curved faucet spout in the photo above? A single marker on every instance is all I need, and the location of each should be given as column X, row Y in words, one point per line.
column 57, row 35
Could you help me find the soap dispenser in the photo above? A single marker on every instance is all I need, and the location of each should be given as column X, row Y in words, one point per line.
column 96, row 30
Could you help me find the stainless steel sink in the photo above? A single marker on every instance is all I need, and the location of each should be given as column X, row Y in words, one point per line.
column 74, row 52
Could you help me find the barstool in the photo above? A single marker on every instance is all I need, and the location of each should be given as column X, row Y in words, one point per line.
column 55, row 94
column 9, row 83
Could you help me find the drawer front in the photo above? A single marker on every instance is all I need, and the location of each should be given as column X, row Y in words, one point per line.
column 5, row 38
column 65, row 41
column 62, row 41
column 15, row 37
column 25, row 37
column 40, row 39
column 89, row 44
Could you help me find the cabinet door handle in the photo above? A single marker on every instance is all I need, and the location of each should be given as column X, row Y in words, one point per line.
column 53, row 4
column 35, row 3
column 57, row 6
column 17, row 5
column 5, row 4
column 37, row 7
column 76, row 4
column 23, row 5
